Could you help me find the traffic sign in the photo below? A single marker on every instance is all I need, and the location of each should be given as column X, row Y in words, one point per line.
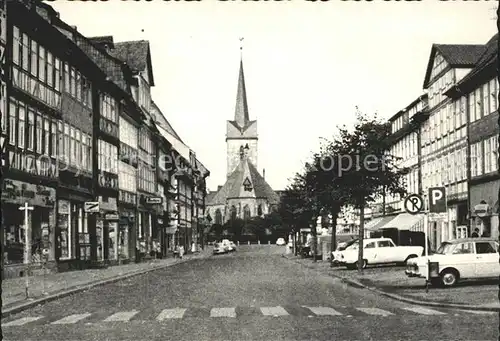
column 91, row 207
column 414, row 204
column 437, row 200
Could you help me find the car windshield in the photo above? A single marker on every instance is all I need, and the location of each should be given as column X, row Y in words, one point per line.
column 445, row 248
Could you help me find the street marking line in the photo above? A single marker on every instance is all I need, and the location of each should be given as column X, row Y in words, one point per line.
column 424, row 311
column 375, row 311
column 324, row 311
column 71, row 319
column 22, row 321
column 176, row 313
column 223, row 312
column 273, row 311
column 479, row 312
column 122, row 316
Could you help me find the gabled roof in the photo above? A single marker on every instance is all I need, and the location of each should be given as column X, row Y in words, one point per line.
column 488, row 58
column 457, row 56
column 136, row 54
column 234, row 188
column 162, row 121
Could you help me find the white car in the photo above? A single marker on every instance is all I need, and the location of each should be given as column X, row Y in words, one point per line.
column 457, row 259
column 280, row 241
column 378, row 251
column 219, row 249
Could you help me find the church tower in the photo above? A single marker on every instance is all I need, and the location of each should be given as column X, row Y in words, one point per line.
column 245, row 193
column 241, row 133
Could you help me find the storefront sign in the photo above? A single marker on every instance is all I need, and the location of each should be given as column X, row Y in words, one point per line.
column 482, row 210
column 18, row 192
column 111, row 216
column 154, row 200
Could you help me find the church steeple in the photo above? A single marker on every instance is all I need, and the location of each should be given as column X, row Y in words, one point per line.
column 241, row 116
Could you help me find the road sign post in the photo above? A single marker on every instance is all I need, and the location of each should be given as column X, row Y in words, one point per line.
column 27, row 245
column 414, row 204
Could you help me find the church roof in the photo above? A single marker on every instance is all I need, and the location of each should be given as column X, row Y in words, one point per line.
column 241, row 116
column 244, row 182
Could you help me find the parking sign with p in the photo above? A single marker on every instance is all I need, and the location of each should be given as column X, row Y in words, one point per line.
column 437, row 200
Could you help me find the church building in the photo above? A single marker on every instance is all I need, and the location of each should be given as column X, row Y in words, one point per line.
column 246, row 193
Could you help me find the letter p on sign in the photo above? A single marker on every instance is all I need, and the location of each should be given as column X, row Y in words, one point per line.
column 437, row 200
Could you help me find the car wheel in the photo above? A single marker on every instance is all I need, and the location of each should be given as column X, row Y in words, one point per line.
column 449, row 278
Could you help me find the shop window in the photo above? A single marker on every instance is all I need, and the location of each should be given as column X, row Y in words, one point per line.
column 64, row 224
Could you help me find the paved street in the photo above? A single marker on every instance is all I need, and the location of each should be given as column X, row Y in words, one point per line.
column 253, row 294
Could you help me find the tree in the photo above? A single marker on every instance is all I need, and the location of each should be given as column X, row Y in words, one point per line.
column 366, row 168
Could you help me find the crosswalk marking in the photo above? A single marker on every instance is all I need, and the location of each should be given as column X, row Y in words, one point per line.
column 71, row 319
column 424, row 311
column 273, row 311
column 231, row 312
column 479, row 312
column 176, row 313
column 22, row 321
column 324, row 311
column 223, row 312
column 375, row 311
column 121, row 316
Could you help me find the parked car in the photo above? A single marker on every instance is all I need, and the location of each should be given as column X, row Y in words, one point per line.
column 457, row 259
column 379, row 251
column 336, row 255
column 219, row 249
column 280, row 241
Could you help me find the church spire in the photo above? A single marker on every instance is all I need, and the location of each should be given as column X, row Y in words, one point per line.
column 241, row 116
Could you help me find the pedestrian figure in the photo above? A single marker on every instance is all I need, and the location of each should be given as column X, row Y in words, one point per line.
column 181, row 251
column 475, row 234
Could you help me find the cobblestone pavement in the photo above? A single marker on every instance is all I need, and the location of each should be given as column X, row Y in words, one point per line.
column 252, row 294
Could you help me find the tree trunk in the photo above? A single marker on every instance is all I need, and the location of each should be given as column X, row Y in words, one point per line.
column 314, row 244
column 361, row 235
column 383, row 201
column 333, row 241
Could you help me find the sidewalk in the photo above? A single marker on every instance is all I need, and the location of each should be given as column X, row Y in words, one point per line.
column 56, row 285
column 393, row 281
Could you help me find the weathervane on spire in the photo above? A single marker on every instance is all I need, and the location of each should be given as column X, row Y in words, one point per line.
column 241, row 46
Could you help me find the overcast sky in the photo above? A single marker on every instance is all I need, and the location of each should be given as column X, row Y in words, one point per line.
column 307, row 65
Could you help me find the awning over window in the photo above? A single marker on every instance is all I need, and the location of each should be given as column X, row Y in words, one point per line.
column 381, row 223
column 404, row 221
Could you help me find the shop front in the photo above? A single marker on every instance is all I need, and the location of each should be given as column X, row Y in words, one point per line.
column 74, row 232
column 41, row 224
column 126, row 228
column 484, row 208
column 108, row 231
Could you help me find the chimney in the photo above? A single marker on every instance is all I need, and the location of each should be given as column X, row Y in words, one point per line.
column 264, row 173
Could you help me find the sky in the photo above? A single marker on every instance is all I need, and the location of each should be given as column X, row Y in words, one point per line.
column 307, row 64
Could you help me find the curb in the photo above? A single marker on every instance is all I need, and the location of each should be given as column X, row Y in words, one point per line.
column 359, row 285
column 77, row 289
